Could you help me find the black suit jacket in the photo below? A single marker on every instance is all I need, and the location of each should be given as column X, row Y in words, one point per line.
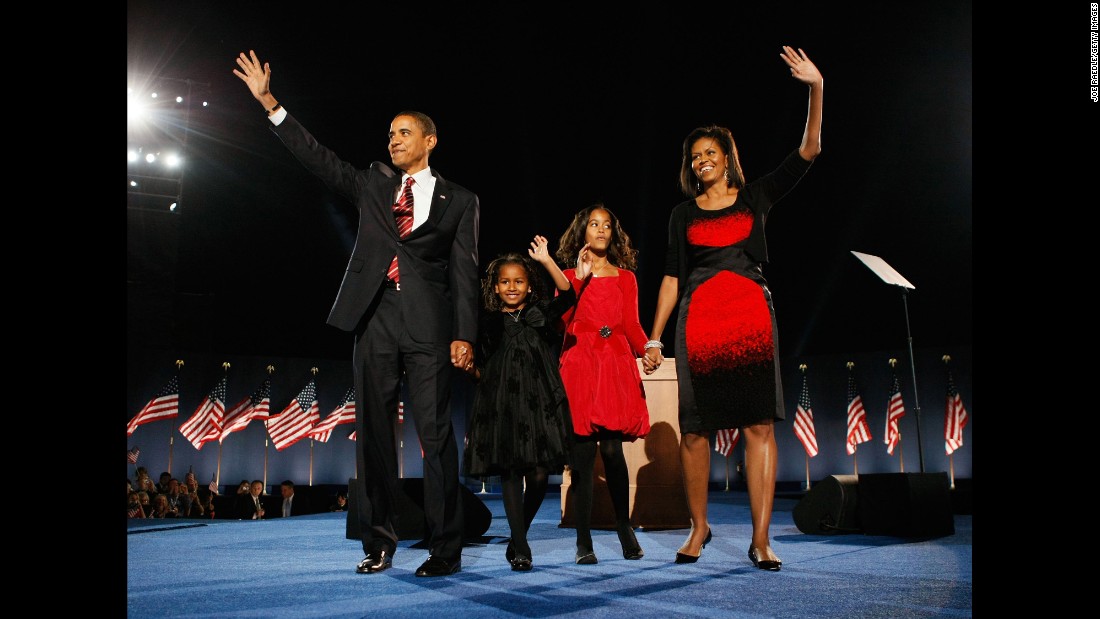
column 438, row 260
column 299, row 506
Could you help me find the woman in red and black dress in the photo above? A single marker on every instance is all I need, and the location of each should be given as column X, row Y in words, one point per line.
column 726, row 339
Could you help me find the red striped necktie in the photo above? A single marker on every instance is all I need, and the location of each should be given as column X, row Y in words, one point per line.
column 403, row 213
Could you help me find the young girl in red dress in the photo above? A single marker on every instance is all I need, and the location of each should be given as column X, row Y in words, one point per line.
column 603, row 339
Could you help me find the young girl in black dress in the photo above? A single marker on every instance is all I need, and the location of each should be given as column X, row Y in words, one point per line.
column 520, row 427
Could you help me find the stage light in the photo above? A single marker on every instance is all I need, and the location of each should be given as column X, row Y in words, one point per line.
column 150, row 158
column 204, row 104
column 179, row 99
column 172, row 207
column 131, row 156
column 133, row 183
column 172, row 160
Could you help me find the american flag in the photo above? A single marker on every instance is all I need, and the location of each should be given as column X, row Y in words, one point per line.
column 133, row 513
column 132, row 455
column 400, row 412
column 895, row 410
column 296, row 420
column 858, row 430
column 955, row 417
column 804, row 421
column 205, row 423
column 344, row 413
column 166, row 405
column 213, row 485
column 726, row 440
column 351, row 437
column 255, row 406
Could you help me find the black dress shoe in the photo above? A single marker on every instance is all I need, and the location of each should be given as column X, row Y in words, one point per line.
column 510, row 552
column 685, row 558
column 437, row 566
column 772, row 566
column 521, row 563
column 375, row 561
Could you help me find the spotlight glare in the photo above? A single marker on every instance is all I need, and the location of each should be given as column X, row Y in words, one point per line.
column 172, row 160
column 133, row 183
column 179, row 99
column 150, row 158
column 204, row 104
column 153, row 95
column 132, row 156
column 172, row 206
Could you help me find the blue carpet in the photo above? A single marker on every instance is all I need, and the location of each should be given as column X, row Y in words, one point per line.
column 305, row 567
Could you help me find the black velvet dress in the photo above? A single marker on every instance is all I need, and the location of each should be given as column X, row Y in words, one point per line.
column 520, row 416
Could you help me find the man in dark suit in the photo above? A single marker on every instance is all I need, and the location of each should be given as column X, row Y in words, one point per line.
column 293, row 504
column 411, row 299
column 250, row 506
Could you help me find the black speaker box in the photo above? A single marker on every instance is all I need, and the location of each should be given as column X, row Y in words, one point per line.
column 905, row 505
column 829, row 507
column 410, row 522
column 897, row 504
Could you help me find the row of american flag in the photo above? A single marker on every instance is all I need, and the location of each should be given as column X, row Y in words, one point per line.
column 955, row 419
column 300, row 419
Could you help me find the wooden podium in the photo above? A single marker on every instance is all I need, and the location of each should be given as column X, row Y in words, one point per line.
column 656, row 479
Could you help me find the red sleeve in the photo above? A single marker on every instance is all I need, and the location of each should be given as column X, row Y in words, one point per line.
column 633, row 325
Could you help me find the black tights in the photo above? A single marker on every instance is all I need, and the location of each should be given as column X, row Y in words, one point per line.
column 582, row 463
column 521, row 506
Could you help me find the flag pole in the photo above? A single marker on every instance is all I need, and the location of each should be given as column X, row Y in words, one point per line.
column 807, row 471
column 855, row 461
column 310, row 462
column 950, row 456
column 901, row 453
column 170, row 441
column 265, row 462
column 727, row 474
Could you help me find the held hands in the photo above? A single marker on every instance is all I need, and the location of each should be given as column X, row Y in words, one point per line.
column 652, row 360
column 462, row 355
column 801, row 68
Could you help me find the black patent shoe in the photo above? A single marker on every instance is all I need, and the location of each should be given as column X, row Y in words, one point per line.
column 510, row 552
column 521, row 563
column 771, row 566
column 686, row 558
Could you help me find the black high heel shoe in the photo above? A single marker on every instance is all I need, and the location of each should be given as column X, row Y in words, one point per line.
column 771, row 566
column 683, row 558
column 510, row 552
column 632, row 550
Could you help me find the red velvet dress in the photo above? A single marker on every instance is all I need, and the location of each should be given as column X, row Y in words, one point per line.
column 599, row 368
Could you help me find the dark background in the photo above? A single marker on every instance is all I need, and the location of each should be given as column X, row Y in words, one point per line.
column 542, row 111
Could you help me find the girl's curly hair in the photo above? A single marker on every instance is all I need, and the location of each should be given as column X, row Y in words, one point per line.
column 489, row 294
column 619, row 251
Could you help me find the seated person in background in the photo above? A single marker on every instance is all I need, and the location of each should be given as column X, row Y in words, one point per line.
column 162, row 486
column 341, row 504
column 249, row 506
column 192, row 505
column 293, row 504
column 161, row 509
column 244, row 487
column 146, row 503
column 133, row 506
